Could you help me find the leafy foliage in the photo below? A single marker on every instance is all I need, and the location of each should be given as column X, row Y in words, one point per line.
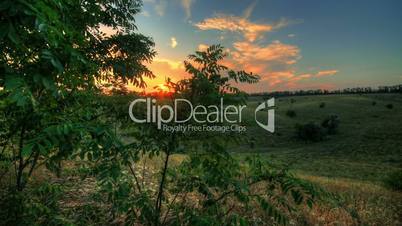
column 208, row 186
column 40, row 207
column 53, row 63
column 53, row 54
column 53, row 57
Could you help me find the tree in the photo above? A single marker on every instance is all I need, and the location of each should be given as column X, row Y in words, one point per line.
column 223, row 189
column 53, row 56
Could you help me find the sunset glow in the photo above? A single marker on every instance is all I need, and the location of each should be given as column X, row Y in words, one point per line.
column 308, row 48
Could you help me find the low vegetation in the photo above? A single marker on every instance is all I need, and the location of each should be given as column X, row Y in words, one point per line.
column 70, row 155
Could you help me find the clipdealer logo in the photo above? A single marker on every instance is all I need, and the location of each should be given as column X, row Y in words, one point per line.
column 162, row 115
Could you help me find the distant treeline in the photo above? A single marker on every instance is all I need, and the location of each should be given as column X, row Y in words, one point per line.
column 356, row 90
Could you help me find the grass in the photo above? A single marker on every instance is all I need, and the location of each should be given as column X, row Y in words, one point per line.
column 352, row 163
column 367, row 147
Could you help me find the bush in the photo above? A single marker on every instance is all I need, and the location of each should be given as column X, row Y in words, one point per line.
column 373, row 103
column 394, row 180
column 331, row 124
column 310, row 132
column 38, row 206
column 322, row 105
column 291, row 113
column 389, row 106
column 292, row 101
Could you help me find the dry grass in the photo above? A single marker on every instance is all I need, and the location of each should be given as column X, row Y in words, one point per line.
column 363, row 203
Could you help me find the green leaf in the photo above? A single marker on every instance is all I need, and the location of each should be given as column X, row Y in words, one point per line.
column 12, row 35
column 27, row 150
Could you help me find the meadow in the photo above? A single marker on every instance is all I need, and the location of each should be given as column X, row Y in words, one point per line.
column 351, row 164
column 354, row 162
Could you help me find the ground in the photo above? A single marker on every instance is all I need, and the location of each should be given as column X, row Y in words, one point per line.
column 352, row 163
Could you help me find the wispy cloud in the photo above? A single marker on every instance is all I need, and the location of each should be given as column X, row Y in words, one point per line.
column 172, row 64
column 202, row 47
column 186, row 4
column 274, row 61
column 173, row 42
column 249, row 10
column 145, row 13
column 251, row 31
column 275, row 51
column 159, row 6
column 326, row 73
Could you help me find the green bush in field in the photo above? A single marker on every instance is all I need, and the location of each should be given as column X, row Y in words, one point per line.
column 322, row 105
column 291, row 113
column 389, row 106
column 394, row 180
column 331, row 124
column 373, row 103
column 310, row 132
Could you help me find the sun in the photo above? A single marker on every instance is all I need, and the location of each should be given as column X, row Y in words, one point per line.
column 162, row 87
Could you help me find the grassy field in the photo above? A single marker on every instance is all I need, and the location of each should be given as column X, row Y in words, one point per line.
column 367, row 147
column 352, row 163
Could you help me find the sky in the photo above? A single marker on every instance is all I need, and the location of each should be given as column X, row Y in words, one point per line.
column 291, row 44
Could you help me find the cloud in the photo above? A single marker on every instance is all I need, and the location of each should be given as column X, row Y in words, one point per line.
column 171, row 63
column 160, row 7
column 145, row 13
column 249, row 10
column 273, row 52
column 202, row 47
column 326, row 73
column 251, row 31
column 173, row 42
column 186, row 4
column 274, row 62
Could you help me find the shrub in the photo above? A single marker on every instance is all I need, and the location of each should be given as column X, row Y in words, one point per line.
column 310, row 132
column 394, row 180
column 292, row 101
column 291, row 113
column 322, row 105
column 389, row 106
column 39, row 206
column 373, row 103
column 331, row 124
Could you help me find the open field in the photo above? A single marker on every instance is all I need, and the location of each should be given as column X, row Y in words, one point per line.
column 351, row 163
column 367, row 147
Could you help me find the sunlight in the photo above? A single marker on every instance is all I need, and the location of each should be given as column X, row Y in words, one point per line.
column 162, row 87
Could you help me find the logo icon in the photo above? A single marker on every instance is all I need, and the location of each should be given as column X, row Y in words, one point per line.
column 270, row 127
